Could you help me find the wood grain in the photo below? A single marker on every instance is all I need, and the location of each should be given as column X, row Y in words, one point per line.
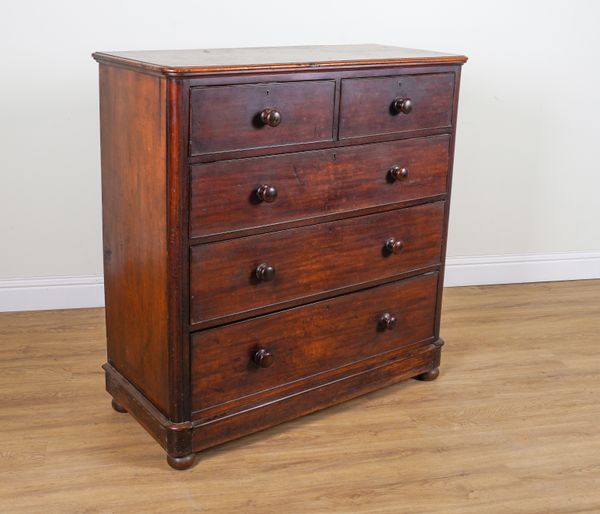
column 321, row 74
column 228, row 117
column 365, row 107
column 309, row 340
column 133, row 135
column 511, row 425
column 310, row 260
column 313, row 184
column 188, row 62
column 159, row 120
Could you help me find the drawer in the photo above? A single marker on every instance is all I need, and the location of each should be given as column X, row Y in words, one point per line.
column 225, row 118
column 310, row 260
column 304, row 341
column 372, row 106
column 226, row 198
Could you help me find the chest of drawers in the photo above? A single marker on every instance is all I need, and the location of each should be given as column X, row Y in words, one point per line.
column 274, row 225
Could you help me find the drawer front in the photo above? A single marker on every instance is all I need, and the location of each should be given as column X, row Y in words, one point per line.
column 226, row 197
column 310, row 260
column 227, row 118
column 307, row 340
column 369, row 107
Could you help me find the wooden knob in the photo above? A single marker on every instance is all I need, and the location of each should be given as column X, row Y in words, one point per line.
column 393, row 245
column 265, row 273
column 271, row 117
column 263, row 358
column 266, row 193
column 396, row 172
column 402, row 105
column 387, row 321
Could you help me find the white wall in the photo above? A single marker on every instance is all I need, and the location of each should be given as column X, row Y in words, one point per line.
column 527, row 169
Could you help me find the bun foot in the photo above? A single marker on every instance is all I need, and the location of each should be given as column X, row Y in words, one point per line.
column 117, row 406
column 181, row 463
column 430, row 375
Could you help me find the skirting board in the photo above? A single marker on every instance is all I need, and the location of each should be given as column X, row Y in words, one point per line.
column 43, row 293
column 518, row 269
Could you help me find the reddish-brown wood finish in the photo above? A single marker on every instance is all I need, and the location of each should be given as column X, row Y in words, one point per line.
column 318, row 73
column 366, row 104
column 309, row 340
column 309, row 260
column 274, row 231
column 335, row 388
column 313, row 184
column 192, row 62
column 133, row 137
column 172, row 436
column 228, row 117
column 177, row 244
column 447, row 213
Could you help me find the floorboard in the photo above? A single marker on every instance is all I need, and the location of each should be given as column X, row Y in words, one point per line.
column 511, row 425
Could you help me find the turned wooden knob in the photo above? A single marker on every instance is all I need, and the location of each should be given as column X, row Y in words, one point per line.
column 263, row 358
column 271, row 117
column 265, row 272
column 397, row 173
column 387, row 321
column 402, row 105
column 394, row 245
column 266, row 193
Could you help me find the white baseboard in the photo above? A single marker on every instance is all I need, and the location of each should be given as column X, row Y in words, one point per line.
column 516, row 269
column 43, row 293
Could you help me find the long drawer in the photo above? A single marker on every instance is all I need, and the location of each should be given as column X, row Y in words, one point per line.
column 249, row 273
column 248, row 357
column 227, row 197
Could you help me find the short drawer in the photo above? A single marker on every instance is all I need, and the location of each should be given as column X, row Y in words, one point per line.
column 249, row 273
column 385, row 105
column 227, row 362
column 225, row 118
column 231, row 196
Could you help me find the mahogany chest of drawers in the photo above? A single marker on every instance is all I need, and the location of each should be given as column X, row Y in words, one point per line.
column 274, row 226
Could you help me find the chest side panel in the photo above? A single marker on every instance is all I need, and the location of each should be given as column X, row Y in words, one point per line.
column 133, row 141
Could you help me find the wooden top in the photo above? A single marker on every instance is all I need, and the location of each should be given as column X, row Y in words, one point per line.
column 190, row 62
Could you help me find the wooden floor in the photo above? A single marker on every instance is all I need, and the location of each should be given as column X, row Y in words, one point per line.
column 511, row 426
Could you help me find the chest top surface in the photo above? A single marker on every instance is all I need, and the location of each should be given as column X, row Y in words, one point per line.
column 183, row 62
